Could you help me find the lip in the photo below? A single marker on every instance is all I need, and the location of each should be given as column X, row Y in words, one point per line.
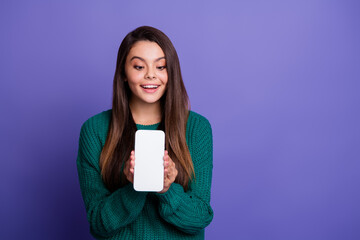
column 150, row 90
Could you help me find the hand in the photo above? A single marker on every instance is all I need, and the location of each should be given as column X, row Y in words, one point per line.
column 129, row 167
column 170, row 172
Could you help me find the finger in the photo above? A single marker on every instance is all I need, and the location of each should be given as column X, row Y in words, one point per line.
column 171, row 163
column 175, row 174
column 168, row 157
column 167, row 174
column 166, row 182
column 166, row 162
column 175, row 170
column 132, row 160
column 169, row 168
column 172, row 173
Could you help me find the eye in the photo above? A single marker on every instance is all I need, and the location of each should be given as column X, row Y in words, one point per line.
column 161, row 68
column 138, row 67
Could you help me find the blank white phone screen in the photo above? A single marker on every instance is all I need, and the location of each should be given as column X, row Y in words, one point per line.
column 149, row 160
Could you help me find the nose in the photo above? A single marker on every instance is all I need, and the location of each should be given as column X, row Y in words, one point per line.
column 150, row 74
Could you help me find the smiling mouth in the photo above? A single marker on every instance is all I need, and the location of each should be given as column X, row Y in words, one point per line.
column 150, row 86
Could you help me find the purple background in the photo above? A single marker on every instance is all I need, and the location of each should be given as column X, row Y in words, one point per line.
column 278, row 80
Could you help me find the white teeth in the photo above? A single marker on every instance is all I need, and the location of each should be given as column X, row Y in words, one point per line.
column 149, row 86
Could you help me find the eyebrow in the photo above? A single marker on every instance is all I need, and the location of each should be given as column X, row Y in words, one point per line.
column 156, row 60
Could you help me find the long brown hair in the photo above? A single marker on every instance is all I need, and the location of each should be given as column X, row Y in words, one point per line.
column 174, row 107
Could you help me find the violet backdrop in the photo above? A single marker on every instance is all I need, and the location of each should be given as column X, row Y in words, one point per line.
column 278, row 80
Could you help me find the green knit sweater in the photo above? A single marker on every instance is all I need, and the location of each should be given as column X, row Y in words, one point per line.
column 128, row 214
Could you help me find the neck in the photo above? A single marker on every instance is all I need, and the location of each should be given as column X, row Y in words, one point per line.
column 145, row 113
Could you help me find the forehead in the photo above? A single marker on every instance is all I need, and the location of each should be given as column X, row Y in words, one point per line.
column 146, row 50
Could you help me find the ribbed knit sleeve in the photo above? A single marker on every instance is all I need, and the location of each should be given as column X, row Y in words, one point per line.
column 191, row 211
column 107, row 212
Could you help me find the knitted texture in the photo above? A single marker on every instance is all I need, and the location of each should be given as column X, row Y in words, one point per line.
column 128, row 214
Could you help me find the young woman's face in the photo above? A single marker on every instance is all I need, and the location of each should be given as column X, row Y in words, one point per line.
column 146, row 73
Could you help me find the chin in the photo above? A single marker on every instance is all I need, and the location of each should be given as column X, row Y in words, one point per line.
column 151, row 101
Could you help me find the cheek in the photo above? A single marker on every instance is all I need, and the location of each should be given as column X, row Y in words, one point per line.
column 133, row 86
column 133, row 81
column 164, row 77
column 133, row 77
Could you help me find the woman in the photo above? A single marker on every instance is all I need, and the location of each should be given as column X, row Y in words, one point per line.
column 148, row 93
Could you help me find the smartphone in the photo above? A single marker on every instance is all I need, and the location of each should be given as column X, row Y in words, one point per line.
column 149, row 160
